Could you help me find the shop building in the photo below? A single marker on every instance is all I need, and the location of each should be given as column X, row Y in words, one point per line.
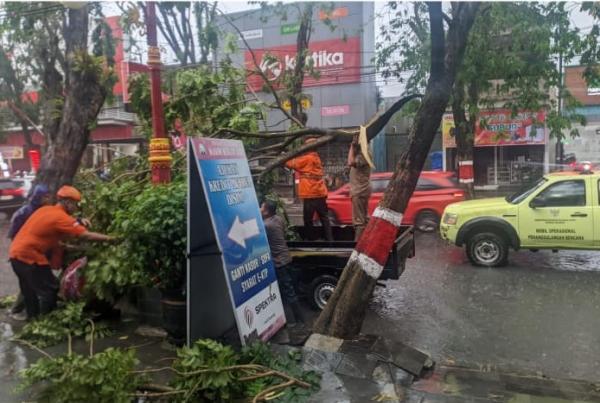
column 344, row 95
column 585, row 147
column 508, row 150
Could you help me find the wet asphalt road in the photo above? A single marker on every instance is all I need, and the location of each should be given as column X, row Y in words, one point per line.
column 539, row 315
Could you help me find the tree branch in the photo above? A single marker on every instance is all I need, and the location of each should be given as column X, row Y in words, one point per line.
column 316, row 131
column 261, row 73
column 184, row 38
column 165, row 29
column 191, row 36
column 438, row 48
column 447, row 18
column 377, row 123
column 22, row 115
column 294, row 153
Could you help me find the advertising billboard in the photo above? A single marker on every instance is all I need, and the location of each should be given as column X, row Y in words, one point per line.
column 337, row 61
column 501, row 128
column 240, row 240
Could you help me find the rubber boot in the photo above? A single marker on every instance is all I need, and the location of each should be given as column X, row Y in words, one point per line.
column 19, row 305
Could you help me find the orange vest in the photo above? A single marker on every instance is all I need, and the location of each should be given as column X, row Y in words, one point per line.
column 312, row 185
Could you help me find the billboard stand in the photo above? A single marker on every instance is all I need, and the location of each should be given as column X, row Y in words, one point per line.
column 231, row 278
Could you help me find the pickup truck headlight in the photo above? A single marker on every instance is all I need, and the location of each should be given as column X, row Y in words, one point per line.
column 450, row 219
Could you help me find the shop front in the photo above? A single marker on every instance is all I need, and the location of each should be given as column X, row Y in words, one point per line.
column 509, row 150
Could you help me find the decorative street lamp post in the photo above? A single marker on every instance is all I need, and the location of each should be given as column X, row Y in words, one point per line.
column 160, row 149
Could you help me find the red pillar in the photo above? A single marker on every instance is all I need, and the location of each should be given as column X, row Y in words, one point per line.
column 160, row 148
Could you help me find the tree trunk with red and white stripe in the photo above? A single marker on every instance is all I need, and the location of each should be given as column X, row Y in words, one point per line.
column 345, row 311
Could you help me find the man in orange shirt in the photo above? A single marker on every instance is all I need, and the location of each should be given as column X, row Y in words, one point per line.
column 312, row 189
column 42, row 232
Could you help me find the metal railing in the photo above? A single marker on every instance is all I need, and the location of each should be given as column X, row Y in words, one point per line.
column 116, row 114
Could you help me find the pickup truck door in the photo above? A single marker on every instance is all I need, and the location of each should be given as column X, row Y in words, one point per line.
column 559, row 216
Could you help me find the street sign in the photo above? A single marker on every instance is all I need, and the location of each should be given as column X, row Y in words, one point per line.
column 287, row 29
column 229, row 267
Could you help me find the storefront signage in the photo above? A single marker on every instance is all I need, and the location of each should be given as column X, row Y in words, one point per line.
column 233, row 242
column 448, row 140
column 501, row 128
column 336, row 13
column 11, row 152
column 593, row 91
column 337, row 61
column 252, row 34
column 593, row 87
column 288, row 29
column 335, row 110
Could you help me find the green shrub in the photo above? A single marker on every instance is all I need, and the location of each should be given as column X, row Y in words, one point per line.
column 105, row 377
column 56, row 326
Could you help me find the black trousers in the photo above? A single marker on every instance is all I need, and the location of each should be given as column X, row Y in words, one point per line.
column 319, row 206
column 38, row 285
column 286, row 284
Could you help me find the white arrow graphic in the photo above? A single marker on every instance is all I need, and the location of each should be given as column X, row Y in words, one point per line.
column 240, row 231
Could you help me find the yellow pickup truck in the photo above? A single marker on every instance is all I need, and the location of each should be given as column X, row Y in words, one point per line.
column 560, row 211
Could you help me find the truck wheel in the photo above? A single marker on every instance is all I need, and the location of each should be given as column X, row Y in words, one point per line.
column 321, row 289
column 427, row 221
column 487, row 249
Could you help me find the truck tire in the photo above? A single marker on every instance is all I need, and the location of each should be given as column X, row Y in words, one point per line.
column 487, row 249
column 427, row 221
column 321, row 289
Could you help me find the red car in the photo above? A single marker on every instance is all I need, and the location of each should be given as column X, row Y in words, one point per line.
column 435, row 190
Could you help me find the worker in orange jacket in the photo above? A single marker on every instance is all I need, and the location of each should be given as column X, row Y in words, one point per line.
column 311, row 189
column 41, row 233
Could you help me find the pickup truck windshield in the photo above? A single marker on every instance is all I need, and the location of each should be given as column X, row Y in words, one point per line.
column 518, row 197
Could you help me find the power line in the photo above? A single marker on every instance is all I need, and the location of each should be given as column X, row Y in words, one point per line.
column 31, row 13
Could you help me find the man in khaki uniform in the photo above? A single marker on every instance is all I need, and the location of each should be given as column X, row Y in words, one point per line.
column 360, row 186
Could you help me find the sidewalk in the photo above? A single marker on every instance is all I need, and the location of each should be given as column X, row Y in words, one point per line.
column 352, row 371
column 360, row 375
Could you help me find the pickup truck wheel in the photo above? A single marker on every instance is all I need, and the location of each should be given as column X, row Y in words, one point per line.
column 427, row 221
column 321, row 289
column 487, row 249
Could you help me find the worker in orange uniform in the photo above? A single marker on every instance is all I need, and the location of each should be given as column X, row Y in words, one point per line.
column 42, row 232
column 312, row 189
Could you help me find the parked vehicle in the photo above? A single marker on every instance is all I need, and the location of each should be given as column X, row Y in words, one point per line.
column 319, row 264
column 12, row 195
column 560, row 211
column 434, row 191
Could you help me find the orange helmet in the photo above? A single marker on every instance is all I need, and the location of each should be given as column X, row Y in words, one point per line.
column 69, row 192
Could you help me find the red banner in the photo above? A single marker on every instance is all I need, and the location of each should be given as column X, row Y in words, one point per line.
column 499, row 127
column 337, row 61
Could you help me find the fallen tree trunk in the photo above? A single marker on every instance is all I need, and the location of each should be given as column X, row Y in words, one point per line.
column 345, row 311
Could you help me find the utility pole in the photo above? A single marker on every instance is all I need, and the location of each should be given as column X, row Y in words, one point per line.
column 559, row 142
column 160, row 148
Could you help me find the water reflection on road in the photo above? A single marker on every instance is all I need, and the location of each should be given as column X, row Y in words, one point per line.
column 540, row 314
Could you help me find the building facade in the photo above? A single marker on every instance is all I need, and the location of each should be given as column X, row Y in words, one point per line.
column 585, row 147
column 341, row 48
